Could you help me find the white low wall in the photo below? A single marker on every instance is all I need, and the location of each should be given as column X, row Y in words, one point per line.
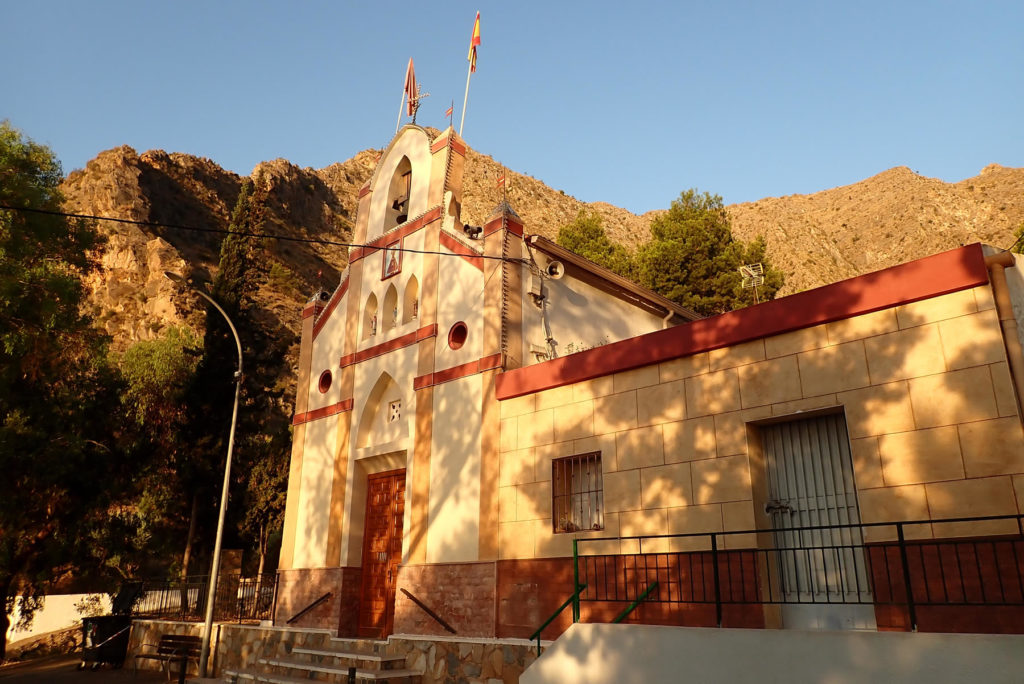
column 58, row 612
column 599, row 653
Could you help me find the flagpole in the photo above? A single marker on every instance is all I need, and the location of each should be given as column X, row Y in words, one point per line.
column 462, row 123
column 401, row 106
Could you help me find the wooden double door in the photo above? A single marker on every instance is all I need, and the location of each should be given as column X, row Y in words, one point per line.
column 382, row 553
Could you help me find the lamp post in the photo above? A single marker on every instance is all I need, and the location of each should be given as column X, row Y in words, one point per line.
column 204, row 654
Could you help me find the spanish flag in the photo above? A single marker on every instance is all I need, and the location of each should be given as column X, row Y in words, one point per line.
column 473, row 43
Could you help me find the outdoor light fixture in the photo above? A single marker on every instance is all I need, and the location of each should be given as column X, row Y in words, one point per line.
column 204, row 654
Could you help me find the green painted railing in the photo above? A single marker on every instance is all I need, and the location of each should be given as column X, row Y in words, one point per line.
column 635, row 603
column 574, row 600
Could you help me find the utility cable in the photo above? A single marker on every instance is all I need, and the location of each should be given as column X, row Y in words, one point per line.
column 244, row 233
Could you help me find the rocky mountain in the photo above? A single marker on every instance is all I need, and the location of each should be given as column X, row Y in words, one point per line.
column 885, row 220
column 816, row 239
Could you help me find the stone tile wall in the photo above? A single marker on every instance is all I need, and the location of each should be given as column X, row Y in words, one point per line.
column 926, row 392
column 470, row 661
column 148, row 632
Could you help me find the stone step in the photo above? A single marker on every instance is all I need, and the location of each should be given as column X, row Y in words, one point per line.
column 382, row 662
column 336, row 670
column 358, row 645
column 260, row 677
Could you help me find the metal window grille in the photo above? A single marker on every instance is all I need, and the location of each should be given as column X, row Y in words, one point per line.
column 577, row 493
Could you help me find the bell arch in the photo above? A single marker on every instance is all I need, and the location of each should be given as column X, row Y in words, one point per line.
column 397, row 210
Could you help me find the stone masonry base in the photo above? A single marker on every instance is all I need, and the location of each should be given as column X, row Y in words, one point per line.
column 441, row 659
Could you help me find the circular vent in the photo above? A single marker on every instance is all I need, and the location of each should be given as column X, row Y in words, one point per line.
column 457, row 335
column 325, row 381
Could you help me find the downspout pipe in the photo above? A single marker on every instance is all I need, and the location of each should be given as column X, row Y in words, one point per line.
column 997, row 265
column 668, row 317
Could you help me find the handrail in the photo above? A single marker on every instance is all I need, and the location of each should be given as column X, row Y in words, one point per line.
column 308, row 608
column 571, row 599
column 805, row 528
column 639, row 599
column 428, row 611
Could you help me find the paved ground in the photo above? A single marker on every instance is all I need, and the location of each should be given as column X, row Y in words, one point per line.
column 64, row 670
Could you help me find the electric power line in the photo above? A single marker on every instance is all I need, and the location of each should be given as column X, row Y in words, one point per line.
column 244, row 233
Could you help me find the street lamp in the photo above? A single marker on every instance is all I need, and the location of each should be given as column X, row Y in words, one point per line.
column 204, row 654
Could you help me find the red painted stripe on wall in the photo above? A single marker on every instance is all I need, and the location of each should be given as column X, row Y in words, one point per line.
column 389, row 346
column 456, row 372
column 408, row 229
column 951, row 271
column 453, row 245
column 323, row 412
column 331, row 306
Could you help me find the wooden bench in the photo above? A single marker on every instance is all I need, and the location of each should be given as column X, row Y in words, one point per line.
column 173, row 648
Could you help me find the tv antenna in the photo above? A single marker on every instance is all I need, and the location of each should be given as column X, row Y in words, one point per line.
column 753, row 275
column 416, row 102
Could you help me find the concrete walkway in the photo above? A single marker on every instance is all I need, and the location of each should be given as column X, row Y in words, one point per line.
column 63, row 669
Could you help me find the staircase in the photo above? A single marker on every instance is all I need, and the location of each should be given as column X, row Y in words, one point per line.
column 329, row 664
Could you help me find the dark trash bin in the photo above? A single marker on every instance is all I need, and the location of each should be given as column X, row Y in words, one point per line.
column 105, row 640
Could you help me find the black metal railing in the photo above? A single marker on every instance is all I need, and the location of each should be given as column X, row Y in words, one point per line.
column 237, row 598
column 911, row 565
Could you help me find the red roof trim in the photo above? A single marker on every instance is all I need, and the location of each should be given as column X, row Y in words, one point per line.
column 324, row 412
column 453, row 245
column 447, row 375
column 447, row 140
column 514, row 227
column 387, row 238
column 439, row 144
column 365, row 190
column 405, row 340
column 321, row 320
column 958, row 269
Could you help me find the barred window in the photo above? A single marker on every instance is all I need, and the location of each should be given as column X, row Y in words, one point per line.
column 577, row 493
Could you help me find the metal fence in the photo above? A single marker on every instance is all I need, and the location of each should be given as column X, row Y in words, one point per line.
column 238, row 598
column 954, row 562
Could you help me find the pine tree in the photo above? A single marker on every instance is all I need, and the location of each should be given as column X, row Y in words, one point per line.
column 693, row 259
column 586, row 236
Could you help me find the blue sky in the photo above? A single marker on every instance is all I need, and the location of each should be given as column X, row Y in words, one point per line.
column 623, row 102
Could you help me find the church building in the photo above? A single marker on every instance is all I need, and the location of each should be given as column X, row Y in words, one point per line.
column 485, row 421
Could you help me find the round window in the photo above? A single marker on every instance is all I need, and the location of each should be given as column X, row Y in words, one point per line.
column 457, row 335
column 325, row 382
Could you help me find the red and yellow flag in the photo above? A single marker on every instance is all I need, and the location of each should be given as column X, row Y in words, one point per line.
column 474, row 41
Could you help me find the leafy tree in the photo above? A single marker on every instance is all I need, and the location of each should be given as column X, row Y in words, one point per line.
column 158, row 374
column 61, row 449
column 1018, row 240
column 693, row 259
column 586, row 236
column 265, row 493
